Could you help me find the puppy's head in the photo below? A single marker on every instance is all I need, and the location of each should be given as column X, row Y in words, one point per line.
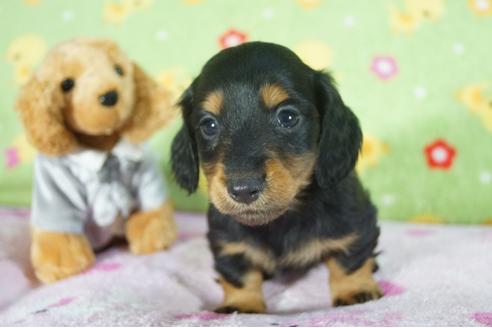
column 85, row 88
column 263, row 126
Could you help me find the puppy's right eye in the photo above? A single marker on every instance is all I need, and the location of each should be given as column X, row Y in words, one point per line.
column 67, row 85
column 287, row 118
column 209, row 127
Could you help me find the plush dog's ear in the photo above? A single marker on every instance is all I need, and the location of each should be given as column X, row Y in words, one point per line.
column 107, row 45
column 153, row 108
column 340, row 136
column 184, row 155
column 40, row 106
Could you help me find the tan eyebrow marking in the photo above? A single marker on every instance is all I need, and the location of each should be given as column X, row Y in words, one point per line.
column 273, row 94
column 213, row 102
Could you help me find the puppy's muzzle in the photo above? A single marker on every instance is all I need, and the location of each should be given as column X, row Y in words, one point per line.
column 245, row 190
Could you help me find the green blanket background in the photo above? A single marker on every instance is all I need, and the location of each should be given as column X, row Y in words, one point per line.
column 417, row 73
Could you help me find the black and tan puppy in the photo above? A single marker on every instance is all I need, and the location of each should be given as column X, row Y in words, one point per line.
column 278, row 147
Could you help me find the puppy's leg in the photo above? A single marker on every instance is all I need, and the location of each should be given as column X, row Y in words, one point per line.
column 58, row 255
column 351, row 287
column 242, row 285
column 151, row 231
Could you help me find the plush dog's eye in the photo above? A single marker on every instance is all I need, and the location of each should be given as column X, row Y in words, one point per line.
column 67, row 85
column 119, row 70
column 287, row 118
column 209, row 127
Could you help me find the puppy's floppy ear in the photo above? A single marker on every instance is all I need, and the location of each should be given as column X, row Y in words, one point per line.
column 40, row 106
column 184, row 156
column 153, row 108
column 340, row 137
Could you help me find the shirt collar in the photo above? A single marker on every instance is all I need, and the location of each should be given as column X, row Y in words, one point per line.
column 94, row 159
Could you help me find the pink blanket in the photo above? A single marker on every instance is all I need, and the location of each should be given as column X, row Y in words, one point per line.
column 431, row 275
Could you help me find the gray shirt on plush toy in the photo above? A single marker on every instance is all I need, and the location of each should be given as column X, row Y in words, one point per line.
column 88, row 190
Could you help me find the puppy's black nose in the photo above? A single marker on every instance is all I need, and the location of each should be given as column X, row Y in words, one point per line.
column 109, row 99
column 245, row 190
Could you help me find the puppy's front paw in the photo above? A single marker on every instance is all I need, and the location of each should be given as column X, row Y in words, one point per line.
column 356, row 297
column 57, row 255
column 355, row 287
column 244, row 298
column 151, row 231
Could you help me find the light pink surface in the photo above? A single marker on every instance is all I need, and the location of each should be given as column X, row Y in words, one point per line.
column 431, row 275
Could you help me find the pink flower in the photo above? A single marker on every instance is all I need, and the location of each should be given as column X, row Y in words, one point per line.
column 204, row 316
column 384, row 67
column 485, row 318
column 232, row 38
column 12, row 158
column 420, row 232
column 105, row 267
column 62, row 302
column 389, row 288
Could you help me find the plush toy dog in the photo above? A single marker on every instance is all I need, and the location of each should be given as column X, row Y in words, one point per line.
column 87, row 110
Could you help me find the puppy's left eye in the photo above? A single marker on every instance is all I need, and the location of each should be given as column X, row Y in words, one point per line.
column 209, row 127
column 119, row 70
column 287, row 117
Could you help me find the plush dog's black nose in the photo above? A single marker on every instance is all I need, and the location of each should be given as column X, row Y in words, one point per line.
column 245, row 190
column 109, row 99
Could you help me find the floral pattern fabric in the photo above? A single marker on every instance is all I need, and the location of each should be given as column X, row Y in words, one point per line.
column 416, row 72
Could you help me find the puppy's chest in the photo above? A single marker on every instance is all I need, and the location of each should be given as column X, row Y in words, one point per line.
column 293, row 249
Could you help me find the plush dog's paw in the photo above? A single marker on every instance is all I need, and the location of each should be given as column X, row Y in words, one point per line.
column 57, row 255
column 357, row 297
column 151, row 231
column 247, row 307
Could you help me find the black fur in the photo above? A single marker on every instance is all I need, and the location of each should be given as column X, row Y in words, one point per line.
column 332, row 206
column 184, row 157
column 341, row 136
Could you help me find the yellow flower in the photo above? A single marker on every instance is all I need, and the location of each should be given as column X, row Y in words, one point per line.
column 402, row 22
column 26, row 50
column 309, row 4
column 175, row 80
column 372, row 151
column 24, row 53
column 486, row 116
column 408, row 20
column 487, row 221
column 425, row 9
column 427, row 218
column 32, row 2
column 314, row 53
column 481, row 7
column 133, row 5
column 472, row 97
column 115, row 13
column 24, row 148
column 192, row 2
